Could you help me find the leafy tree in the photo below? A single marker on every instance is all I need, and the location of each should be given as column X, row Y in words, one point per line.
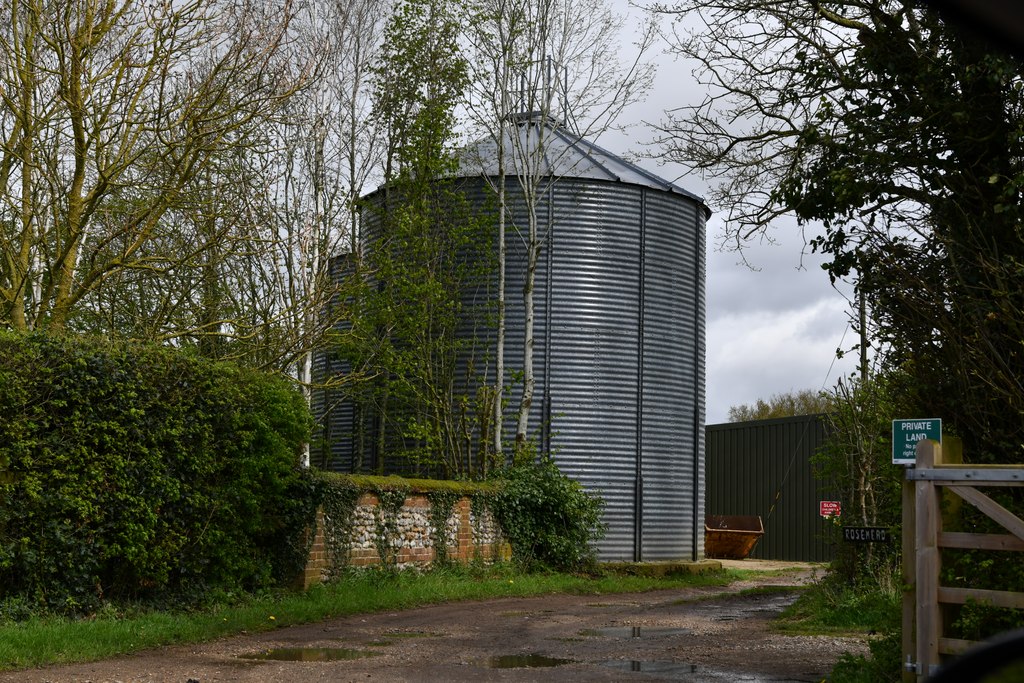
column 803, row 402
column 896, row 137
column 407, row 298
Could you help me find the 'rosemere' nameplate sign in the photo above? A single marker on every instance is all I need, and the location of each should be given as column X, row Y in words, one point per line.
column 906, row 434
column 865, row 534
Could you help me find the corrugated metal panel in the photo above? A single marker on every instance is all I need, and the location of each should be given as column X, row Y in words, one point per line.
column 700, row 466
column 332, row 446
column 594, row 355
column 673, row 333
column 627, row 361
column 764, row 468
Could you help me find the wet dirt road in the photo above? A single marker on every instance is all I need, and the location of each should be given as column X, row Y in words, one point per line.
column 697, row 635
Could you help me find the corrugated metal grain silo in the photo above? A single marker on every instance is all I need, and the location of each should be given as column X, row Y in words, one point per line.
column 619, row 338
column 334, row 444
column 620, row 335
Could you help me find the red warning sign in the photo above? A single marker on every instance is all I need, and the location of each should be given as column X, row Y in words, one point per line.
column 830, row 508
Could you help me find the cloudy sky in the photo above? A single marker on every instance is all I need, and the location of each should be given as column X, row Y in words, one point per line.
column 770, row 330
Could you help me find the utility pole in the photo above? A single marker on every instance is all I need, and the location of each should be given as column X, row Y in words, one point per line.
column 863, row 335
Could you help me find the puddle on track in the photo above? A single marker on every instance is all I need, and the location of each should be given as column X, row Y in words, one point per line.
column 762, row 606
column 690, row 672
column 636, row 632
column 664, row 668
column 524, row 662
column 309, row 654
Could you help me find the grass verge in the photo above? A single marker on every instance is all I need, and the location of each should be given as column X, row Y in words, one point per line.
column 43, row 641
column 828, row 608
column 831, row 607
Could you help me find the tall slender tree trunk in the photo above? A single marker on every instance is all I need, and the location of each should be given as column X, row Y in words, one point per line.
column 19, row 306
column 499, row 354
column 529, row 377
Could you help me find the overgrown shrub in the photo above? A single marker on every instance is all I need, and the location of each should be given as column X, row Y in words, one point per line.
column 549, row 519
column 143, row 473
column 857, row 456
column 882, row 666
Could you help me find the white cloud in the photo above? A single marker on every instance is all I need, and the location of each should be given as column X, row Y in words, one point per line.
column 774, row 329
column 755, row 354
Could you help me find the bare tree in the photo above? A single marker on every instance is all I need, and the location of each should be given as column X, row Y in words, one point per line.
column 321, row 154
column 895, row 137
column 110, row 110
column 543, row 65
column 245, row 250
column 745, row 131
column 493, row 34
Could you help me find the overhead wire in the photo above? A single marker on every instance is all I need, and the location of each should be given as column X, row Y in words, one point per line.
column 803, row 434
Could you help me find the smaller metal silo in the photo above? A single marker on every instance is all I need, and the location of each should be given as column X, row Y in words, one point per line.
column 333, row 445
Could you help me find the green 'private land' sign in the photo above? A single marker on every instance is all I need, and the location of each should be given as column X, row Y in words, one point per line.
column 906, row 434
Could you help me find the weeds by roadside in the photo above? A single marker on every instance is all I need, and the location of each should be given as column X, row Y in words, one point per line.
column 883, row 666
column 833, row 607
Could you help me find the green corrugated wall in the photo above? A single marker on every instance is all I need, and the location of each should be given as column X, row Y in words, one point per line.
column 764, row 468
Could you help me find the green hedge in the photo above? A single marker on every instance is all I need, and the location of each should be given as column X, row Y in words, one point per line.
column 131, row 472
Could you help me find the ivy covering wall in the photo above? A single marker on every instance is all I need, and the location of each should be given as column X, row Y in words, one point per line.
column 531, row 513
column 394, row 522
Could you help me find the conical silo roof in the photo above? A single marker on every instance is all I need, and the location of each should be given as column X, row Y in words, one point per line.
column 566, row 155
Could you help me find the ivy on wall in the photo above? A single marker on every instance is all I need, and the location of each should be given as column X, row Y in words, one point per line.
column 479, row 508
column 548, row 519
column 339, row 504
column 386, row 538
column 340, row 497
column 442, row 503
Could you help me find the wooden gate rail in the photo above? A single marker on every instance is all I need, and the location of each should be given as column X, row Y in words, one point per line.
column 923, row 540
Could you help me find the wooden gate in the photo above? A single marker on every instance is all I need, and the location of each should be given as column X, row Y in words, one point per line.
column 923, row 539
